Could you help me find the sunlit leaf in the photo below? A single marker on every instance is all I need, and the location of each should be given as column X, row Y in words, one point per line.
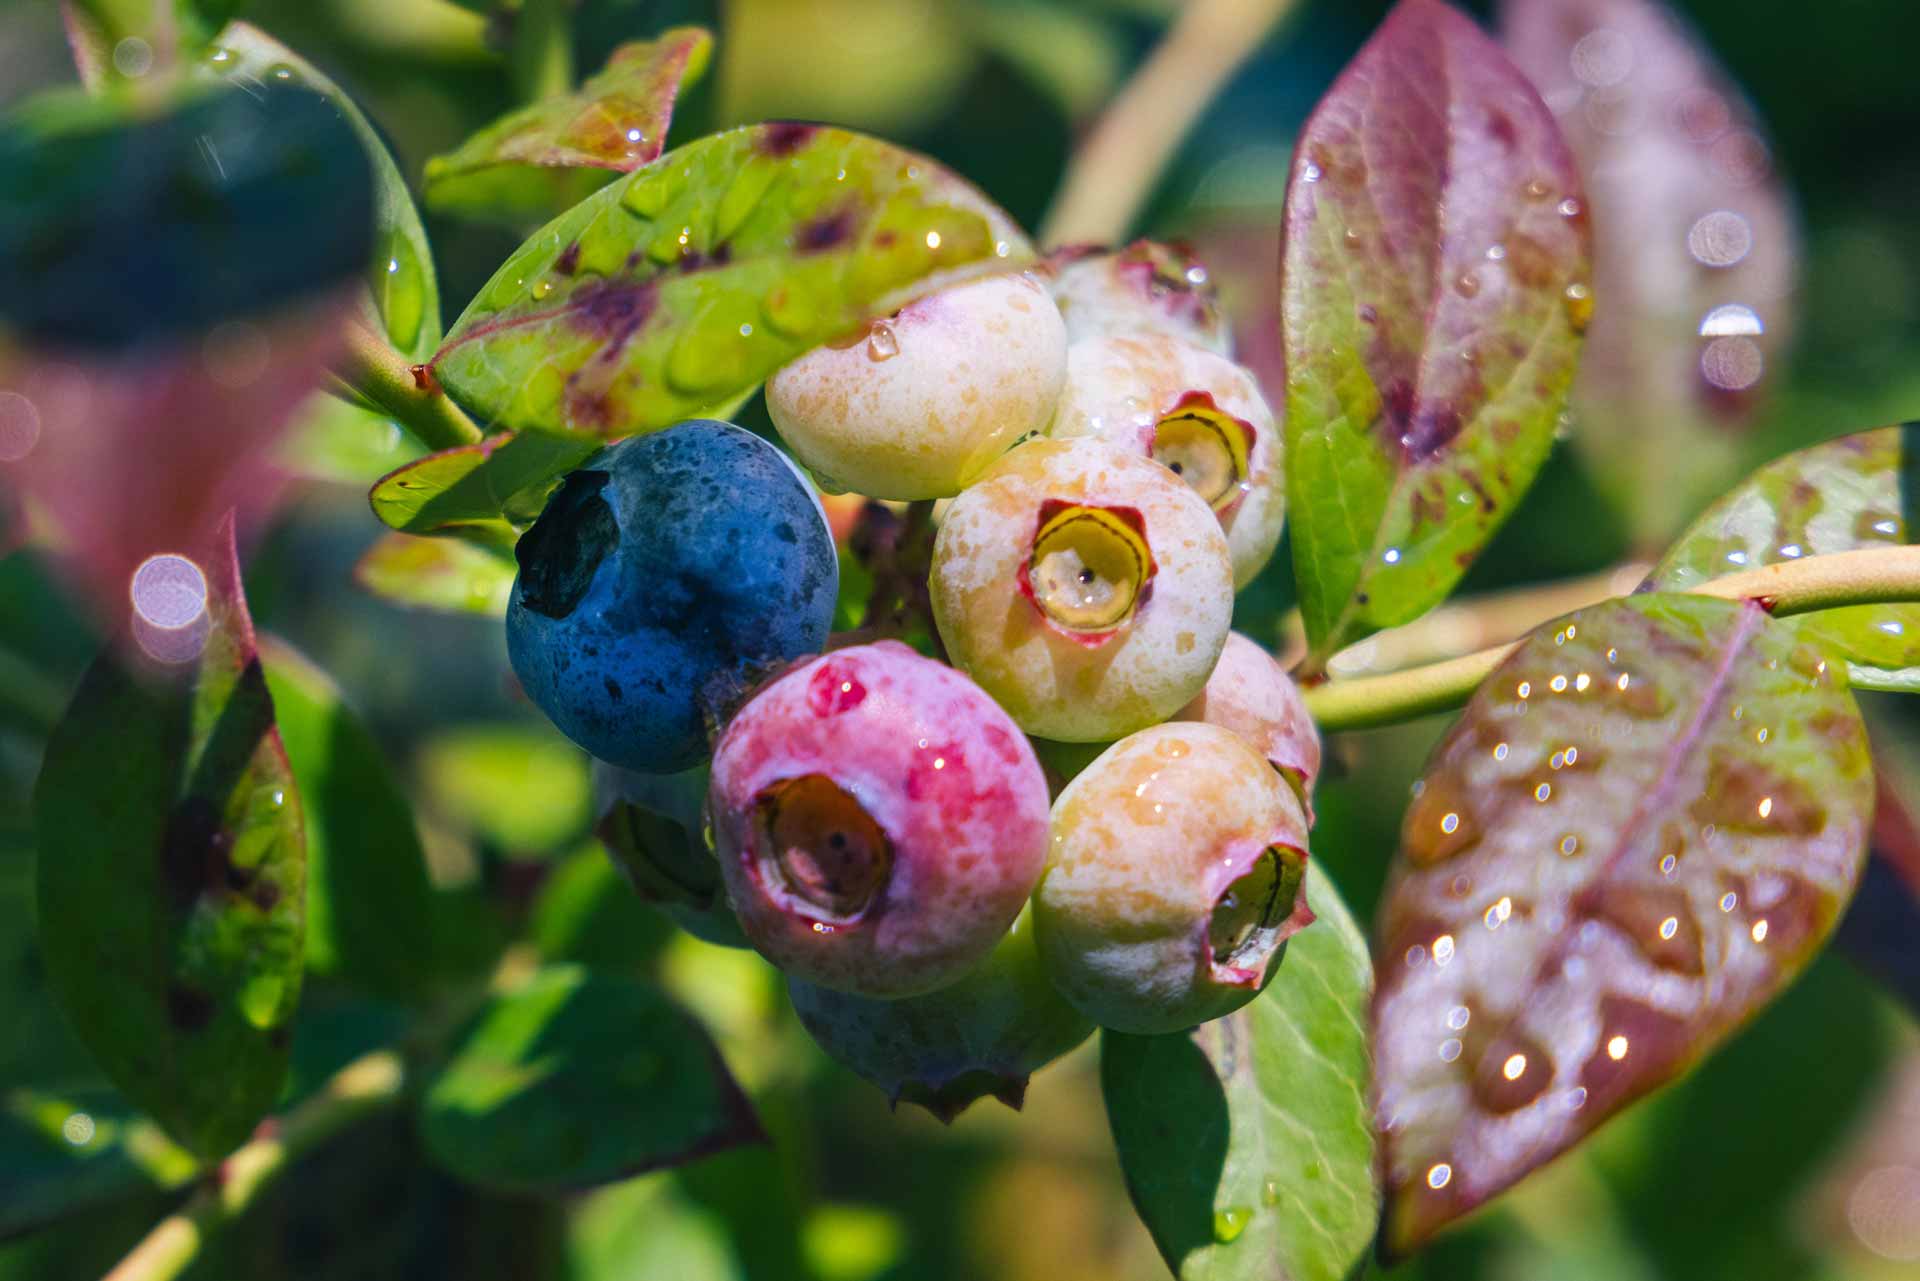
column 339, row 443
column 1849, row 493
column 443, row 574
column 1430, row 335
column 551, row 154
column 524, row 789
column 1248, row 1143
column 172, row 865
column 576, row 1080
column 689, row 281
column 1694, row 249
column 62, row 1155
column 480, row 492
column 367, row 890
column 403, row 290
column 646, row 1228
column 1642, row 828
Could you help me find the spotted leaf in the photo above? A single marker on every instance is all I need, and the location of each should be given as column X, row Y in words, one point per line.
column 689, row 281
column 403, row 292
column 483, row 492
column 1849, row 493
column 549, row 155
column 1246, row 1143
column 1695, row 253
column 172, row 863
column 578, row 1079
column 1642, row 828
column 1433, row 229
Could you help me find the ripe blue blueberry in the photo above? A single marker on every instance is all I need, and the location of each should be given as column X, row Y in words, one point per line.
column 664, row 576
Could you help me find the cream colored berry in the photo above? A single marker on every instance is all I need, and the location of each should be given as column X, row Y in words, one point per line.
column 917, row 405
column 1195, row 412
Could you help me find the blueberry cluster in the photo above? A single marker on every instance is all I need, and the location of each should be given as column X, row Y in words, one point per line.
column 1095, row 815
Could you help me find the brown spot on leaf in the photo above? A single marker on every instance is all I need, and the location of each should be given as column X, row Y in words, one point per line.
column 1657, row 919
column 1512, row 1072
column 1743, row 797
column 1439, row 823
column 824, row 232
column 784, row 137
column 1639, row 1047
column 569, row 260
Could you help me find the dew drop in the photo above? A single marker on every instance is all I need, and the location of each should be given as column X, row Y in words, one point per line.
column 1571, row 208
column 1439, row 1176
column 1229, row 1223
column 882, row 342
column 1577, row 298
column 1467, row 285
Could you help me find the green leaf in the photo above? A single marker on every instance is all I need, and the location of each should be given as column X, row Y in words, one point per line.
column 367, row 888
column 441, row 574
column 1848, row 493
column 550, row 155
column 587, row 913
column 338, row 443
column 403, row 292
column 1247, row 1143
column 646, row 1228
column 61, row 1156
column 576, row 1080
column 480, row 492
column 522, row 788
column 1429, row 330
column 1696, row 253
column 172, row 873
column 1643, row 827
column 689, row 281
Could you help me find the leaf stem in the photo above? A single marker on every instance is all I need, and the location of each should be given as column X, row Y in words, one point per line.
column 372, row 369
column 1114, row 170
column 542, row 54
column 363, row 1087
column 1870, row 576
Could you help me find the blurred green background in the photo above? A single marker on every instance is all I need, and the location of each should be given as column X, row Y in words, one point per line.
column 1757, row 1167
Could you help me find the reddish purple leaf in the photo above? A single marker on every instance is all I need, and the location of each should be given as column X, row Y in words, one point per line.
column 1645, row 824
column 1694, row 251
column 121, row 458
column 549, row 155
column 1434, row 284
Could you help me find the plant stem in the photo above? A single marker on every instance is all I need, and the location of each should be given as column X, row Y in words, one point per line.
column 375, row 371
column 542, row 53
column 1113, row 172
column 364, row 1086
column 1871, row 576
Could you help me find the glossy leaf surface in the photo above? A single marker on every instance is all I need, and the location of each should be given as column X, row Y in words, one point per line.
column 1642, row 828
column 689, row 281
column 549, row 155
column 1247, row 1143
column 1849, row 493
column 1429, row 333
column 403, row 289
column 576, row 1080
column 481, row 492
column 367, row 892
column 442, row 574
column 96, row 28
column 172, row 875
column 1695, row 253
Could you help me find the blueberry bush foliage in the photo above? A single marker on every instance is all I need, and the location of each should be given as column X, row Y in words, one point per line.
column 947, row 643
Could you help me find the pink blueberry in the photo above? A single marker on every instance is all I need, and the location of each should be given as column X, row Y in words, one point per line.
column 879, row 821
